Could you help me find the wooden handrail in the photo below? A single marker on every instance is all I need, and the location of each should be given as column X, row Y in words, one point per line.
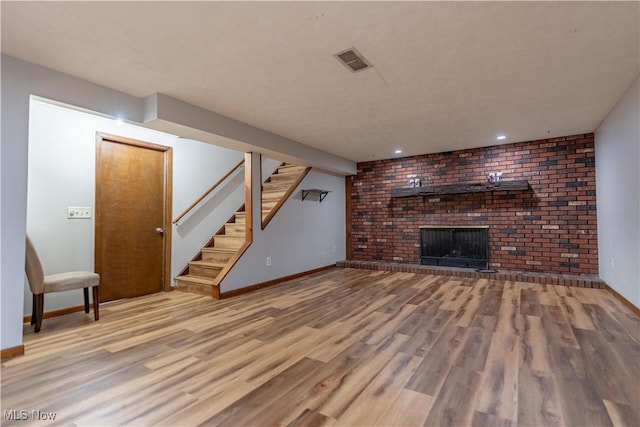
column 206, row 193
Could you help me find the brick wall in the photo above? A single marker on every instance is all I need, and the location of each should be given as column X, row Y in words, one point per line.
column 550, row 228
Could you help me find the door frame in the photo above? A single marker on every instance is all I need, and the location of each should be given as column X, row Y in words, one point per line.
column 168, row 191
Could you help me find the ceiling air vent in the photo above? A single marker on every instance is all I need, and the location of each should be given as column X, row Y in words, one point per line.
column 353, row 60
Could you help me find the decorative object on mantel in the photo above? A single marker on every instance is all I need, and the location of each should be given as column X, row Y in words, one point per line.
column 461, row 188
column 414, row 181
column 494, row 177
column 321, row 193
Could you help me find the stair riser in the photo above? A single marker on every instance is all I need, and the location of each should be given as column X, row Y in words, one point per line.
column 275, row 186
column 209, row 272
column 268, row 205
column 233, row 228
column 285, row 177
column 215, row 257
column 194, row 288
column 273, row 196
column 235, row 235
column 225, row 242
column 291, row 169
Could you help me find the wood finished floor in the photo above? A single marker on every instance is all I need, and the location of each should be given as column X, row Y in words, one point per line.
column 341, row 347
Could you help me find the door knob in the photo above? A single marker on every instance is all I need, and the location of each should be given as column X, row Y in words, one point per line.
column 159, row 230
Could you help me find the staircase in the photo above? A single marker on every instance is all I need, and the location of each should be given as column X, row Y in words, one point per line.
column 202, row 276
column 278, row 187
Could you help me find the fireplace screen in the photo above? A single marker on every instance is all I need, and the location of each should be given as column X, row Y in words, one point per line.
column 454, row 247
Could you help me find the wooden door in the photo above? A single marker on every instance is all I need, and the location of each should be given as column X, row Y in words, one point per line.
column 133, row 214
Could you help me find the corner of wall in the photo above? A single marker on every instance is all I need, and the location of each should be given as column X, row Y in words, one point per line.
column 617, row 146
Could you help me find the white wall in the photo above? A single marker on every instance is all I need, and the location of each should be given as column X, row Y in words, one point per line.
column 301, row 237
column 62, row 174
column 20, row 80
column 617, row 144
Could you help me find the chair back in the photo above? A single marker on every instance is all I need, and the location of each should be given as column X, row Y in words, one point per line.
column 33, row 268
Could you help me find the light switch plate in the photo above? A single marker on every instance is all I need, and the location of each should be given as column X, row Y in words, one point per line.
column 74, row 212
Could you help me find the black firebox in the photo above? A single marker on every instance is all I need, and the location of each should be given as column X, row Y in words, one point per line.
column 454, row 246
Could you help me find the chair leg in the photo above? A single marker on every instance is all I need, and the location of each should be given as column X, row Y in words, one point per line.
column 86, row 299
column 96, row 302
column 39, row 311
column 34, row 312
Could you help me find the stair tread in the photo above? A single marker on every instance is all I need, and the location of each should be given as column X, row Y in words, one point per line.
column 278, row 184
column 274, row 193
column 291, row 168
column 196, row 279
column 284, row 177
column 219, row 250
column 233, row 234
column 216, row 264
column 287, row 175
column 283, row 187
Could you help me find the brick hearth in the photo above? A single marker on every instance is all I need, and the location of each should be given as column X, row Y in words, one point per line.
column 516, row 276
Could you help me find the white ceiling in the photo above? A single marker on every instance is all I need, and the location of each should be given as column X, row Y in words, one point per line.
column 447, row 75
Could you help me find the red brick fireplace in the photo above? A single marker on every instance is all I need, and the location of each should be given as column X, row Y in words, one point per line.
column 550, row 227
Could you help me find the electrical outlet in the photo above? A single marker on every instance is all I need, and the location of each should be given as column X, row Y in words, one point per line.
column 74, row 212
column 268, row 261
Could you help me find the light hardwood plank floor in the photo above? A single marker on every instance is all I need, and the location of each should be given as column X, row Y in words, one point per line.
column 340, row 347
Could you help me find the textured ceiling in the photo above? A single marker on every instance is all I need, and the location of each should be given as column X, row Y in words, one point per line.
column 446, row 75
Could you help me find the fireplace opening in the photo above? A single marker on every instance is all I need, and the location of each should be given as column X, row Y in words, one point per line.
column 454, row 246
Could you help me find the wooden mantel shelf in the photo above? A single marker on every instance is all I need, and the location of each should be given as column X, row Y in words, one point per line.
column 461, row 188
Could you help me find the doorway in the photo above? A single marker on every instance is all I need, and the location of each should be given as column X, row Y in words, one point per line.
column 132, row 217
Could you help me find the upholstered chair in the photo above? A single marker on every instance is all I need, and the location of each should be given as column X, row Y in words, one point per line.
column 41, row 284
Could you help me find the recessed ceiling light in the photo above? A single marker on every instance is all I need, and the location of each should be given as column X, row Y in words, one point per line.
column 398, row 151
column 501, row 137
